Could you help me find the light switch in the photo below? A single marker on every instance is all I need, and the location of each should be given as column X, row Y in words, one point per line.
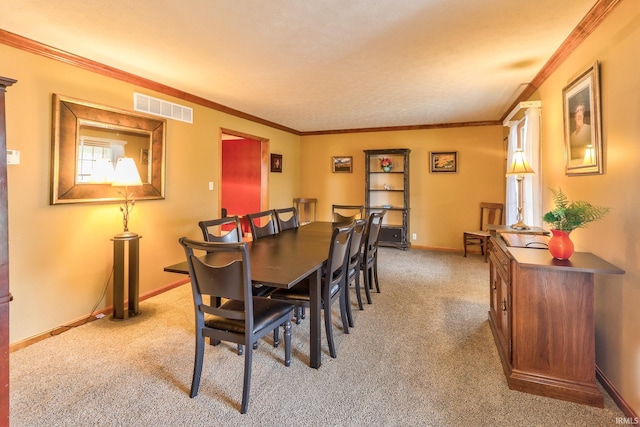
column 210, row 185
column 13, row 157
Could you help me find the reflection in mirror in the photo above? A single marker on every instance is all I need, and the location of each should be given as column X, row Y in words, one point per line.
column 99, row 148
column 88, row 139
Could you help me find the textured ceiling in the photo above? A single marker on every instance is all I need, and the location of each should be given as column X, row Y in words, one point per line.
column 318, row 65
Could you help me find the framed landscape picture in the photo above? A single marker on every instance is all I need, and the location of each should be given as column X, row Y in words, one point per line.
column 582, row 131
column 444, row 161
column 342, row 164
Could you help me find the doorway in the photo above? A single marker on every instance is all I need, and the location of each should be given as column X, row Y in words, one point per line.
column 244, row 174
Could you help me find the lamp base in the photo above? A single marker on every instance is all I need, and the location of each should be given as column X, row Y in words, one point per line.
column 126, row 235
column 520, row 226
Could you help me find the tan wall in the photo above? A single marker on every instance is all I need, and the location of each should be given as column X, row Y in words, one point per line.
column 617, row 237
column 60, row 256
column 442, row 205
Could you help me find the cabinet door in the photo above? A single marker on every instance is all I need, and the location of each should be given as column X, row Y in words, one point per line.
column 493, row 287
column 505, row 312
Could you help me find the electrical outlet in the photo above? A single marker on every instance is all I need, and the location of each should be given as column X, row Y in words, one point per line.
column 414, row 236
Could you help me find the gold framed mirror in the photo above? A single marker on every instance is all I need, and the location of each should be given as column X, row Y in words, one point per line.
column 87, row 136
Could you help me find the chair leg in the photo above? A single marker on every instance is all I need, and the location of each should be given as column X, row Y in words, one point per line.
column 240, row 349
column 464, row 245
column 276, row 337
column 287, row 343
column 329, row 330
column 298, row 316
column 358, row 296
column 347, row 299
column 375, row 274
column 247, row 380
column 367, row 284
column 197, row 366
column 343, row 311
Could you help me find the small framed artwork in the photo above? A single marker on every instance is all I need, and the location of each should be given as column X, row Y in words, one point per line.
column 582, row 132
column 444, row 162
column 342, row 164
column 144, row 156
column 276, row 163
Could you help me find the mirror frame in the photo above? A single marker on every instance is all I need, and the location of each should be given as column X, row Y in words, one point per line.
column 67, row 112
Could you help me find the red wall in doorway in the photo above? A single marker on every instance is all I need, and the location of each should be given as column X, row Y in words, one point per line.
column 241, row 162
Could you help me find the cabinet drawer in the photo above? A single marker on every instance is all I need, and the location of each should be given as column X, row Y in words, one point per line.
column 391, row 234
column 501, row 259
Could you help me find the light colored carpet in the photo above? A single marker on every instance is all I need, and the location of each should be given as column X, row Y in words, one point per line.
column 422, row 354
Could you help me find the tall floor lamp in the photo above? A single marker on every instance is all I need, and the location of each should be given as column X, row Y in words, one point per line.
column 519, row 167
column 126, row 175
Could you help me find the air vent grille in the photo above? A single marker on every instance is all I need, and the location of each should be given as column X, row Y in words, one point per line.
column 158, row 107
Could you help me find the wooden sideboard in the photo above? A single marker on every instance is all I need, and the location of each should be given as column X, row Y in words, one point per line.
column 542, row 319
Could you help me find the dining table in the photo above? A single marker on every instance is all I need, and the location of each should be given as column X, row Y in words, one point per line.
column 285, row 259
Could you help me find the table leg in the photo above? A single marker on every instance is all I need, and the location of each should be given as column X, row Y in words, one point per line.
column 315, row 310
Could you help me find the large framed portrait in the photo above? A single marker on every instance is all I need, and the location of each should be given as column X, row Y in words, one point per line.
column 582, row 124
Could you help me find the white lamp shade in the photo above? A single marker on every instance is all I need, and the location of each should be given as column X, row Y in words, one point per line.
column 519, row 165
column 126, row 173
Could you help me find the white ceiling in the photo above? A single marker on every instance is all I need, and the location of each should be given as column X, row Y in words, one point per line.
column 314, row 65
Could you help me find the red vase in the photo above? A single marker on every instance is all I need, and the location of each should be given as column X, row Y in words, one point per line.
column 560, row 245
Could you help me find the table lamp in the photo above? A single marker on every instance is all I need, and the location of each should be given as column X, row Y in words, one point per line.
column 126, row 175
column 519, row 167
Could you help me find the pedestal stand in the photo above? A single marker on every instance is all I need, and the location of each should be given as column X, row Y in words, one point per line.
column 121, row 243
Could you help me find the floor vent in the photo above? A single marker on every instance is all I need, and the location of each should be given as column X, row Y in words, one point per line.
column 158, row 107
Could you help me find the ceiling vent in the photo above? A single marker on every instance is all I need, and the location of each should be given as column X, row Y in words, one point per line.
column 158, row 107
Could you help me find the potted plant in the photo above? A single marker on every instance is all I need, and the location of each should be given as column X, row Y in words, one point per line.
column 386, row 164
column 566, row 217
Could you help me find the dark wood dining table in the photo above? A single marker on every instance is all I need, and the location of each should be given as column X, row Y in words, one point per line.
column 284, row 260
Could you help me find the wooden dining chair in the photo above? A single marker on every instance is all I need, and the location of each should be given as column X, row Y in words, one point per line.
column 227, row 229
column 263, row 224
column 369, row 259
column 287, row 218
column 347, row 213
column 242, row 318
column 355, row 257
column 333, row 283
column 490, row 214
column 306, row 208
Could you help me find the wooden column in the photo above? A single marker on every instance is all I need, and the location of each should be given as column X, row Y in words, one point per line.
column 5, row 296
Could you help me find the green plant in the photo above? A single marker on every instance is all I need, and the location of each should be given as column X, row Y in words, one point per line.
column 568, row 216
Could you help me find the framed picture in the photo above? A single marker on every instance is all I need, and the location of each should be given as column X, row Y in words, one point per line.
column 276, row 163
column 444, row 162
column 144, row 156
column 342, row 164
column 582, row 131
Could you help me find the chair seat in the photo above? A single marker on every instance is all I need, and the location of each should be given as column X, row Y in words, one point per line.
column 477, row 233
column 265, row 312
column 300, row 292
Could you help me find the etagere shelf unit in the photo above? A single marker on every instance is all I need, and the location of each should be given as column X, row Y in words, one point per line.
column 389, row 191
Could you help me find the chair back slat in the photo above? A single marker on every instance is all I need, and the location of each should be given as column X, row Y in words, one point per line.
column 491, row 214
column 287, row 218
column 214, row 230
column 347, row 213
column 263, row 224
column 337, row 262
column 356, row 243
